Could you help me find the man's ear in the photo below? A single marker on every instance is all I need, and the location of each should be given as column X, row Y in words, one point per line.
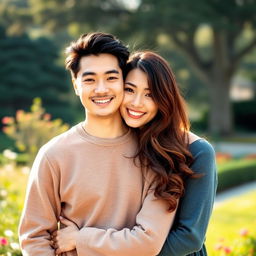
column 75, row 86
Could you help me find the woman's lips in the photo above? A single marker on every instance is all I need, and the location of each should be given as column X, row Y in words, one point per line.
column 135, row 114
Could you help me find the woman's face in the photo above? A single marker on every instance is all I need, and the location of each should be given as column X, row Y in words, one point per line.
column 138, row 107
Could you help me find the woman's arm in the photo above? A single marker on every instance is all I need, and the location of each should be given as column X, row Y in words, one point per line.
column 145, row 238
column 191, row 221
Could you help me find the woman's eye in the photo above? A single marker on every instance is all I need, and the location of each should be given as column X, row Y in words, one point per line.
column 128, row 89
column 149, row 95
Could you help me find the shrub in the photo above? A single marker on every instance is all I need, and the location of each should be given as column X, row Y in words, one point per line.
column 31, row 130
column 235, row 173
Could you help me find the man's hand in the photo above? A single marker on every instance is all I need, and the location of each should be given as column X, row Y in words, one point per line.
column 64, row 240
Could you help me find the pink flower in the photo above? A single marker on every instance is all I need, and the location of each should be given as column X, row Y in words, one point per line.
column 47, row 117
column 218, row 247
column 7, row 120
column 227, row 250
column 3, row 241
column 243, row 232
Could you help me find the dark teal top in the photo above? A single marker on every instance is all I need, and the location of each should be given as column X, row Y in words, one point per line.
column 187, row 235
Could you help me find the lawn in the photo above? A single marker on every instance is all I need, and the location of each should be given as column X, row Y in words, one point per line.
column 229, row 218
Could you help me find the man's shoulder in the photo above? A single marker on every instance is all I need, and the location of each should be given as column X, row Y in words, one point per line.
column 61, row 141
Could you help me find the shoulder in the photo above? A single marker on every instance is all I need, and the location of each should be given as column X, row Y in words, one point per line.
column 192, row 137
column 199, row 144
column 60, row 142
column 201, row 150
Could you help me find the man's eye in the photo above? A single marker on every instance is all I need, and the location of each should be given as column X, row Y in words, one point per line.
column 112, row 78
column 128, row 89
column 88, row 80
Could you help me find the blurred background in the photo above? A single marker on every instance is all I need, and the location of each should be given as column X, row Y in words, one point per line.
column 211, row 46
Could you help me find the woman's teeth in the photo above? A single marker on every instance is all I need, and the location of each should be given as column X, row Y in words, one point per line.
column 135, row 113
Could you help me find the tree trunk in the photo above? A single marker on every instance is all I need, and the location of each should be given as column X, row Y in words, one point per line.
column 220, row 113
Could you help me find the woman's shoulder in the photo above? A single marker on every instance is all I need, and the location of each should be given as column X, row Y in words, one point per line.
column 199, row 145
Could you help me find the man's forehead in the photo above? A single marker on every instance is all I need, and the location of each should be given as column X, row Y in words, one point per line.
column 102, row 63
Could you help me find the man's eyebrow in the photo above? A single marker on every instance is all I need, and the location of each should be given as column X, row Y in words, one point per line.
column 135, row 86
column 112, row 71
column 88, row 73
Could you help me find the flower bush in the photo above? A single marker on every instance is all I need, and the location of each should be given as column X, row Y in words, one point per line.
column 245, row 245
column 31, row 130
column 9, row 245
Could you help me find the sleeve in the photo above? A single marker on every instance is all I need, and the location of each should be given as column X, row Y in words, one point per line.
column 145, row 238
column 41, row 209
column 193, row 214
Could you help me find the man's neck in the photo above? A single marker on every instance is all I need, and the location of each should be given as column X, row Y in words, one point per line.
column 105, row 127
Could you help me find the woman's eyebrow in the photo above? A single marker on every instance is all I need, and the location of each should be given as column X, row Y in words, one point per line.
column 131, row 84
column 135, row 86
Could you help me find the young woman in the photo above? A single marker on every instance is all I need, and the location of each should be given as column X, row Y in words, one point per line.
column 153, row 106
column 184, row 163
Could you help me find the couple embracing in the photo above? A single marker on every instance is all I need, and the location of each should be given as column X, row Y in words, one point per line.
column 131, row 179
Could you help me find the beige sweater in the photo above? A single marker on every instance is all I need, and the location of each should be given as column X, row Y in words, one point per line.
column 95, row 183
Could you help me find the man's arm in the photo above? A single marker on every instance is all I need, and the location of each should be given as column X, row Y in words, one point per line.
column 188, row 233
column 41, row 209
column 146, row 238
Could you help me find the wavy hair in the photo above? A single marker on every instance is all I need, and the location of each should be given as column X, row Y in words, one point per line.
column 163, row 142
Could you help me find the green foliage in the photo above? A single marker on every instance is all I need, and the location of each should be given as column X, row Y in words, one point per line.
column 236, row 172
column 31, row 130
column 29, row 70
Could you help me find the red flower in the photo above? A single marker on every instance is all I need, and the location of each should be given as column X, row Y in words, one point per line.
column 3, row 241
column 7, row 120
column 47, row 117
column 227, row 250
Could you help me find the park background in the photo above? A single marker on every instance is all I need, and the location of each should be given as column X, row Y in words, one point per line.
column 211, row 46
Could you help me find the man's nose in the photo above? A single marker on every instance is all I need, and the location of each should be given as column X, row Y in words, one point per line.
column 101, row 87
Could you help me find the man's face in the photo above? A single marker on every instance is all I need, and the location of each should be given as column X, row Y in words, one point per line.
column 99, row 84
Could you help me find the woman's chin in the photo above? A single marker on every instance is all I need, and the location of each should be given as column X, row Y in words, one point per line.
column 133, row 124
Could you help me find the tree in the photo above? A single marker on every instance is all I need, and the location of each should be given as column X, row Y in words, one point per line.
column 180, row 21
column 15, row 16
column 228, row 20
column 28, row 70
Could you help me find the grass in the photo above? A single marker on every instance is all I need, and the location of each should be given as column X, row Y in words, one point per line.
column 229, row 218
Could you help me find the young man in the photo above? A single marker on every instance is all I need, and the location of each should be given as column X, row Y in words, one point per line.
column 88, row 174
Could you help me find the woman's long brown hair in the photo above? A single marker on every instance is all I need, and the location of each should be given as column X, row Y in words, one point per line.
column 163, row 142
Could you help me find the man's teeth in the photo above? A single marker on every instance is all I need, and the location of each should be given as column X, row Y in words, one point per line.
column 135, row 113
column 102, row 101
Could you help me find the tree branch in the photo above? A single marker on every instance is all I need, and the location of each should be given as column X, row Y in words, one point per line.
column 190, row 52
column 244, row 51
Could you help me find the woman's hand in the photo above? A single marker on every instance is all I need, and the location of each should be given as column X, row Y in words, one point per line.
column 64, row 240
